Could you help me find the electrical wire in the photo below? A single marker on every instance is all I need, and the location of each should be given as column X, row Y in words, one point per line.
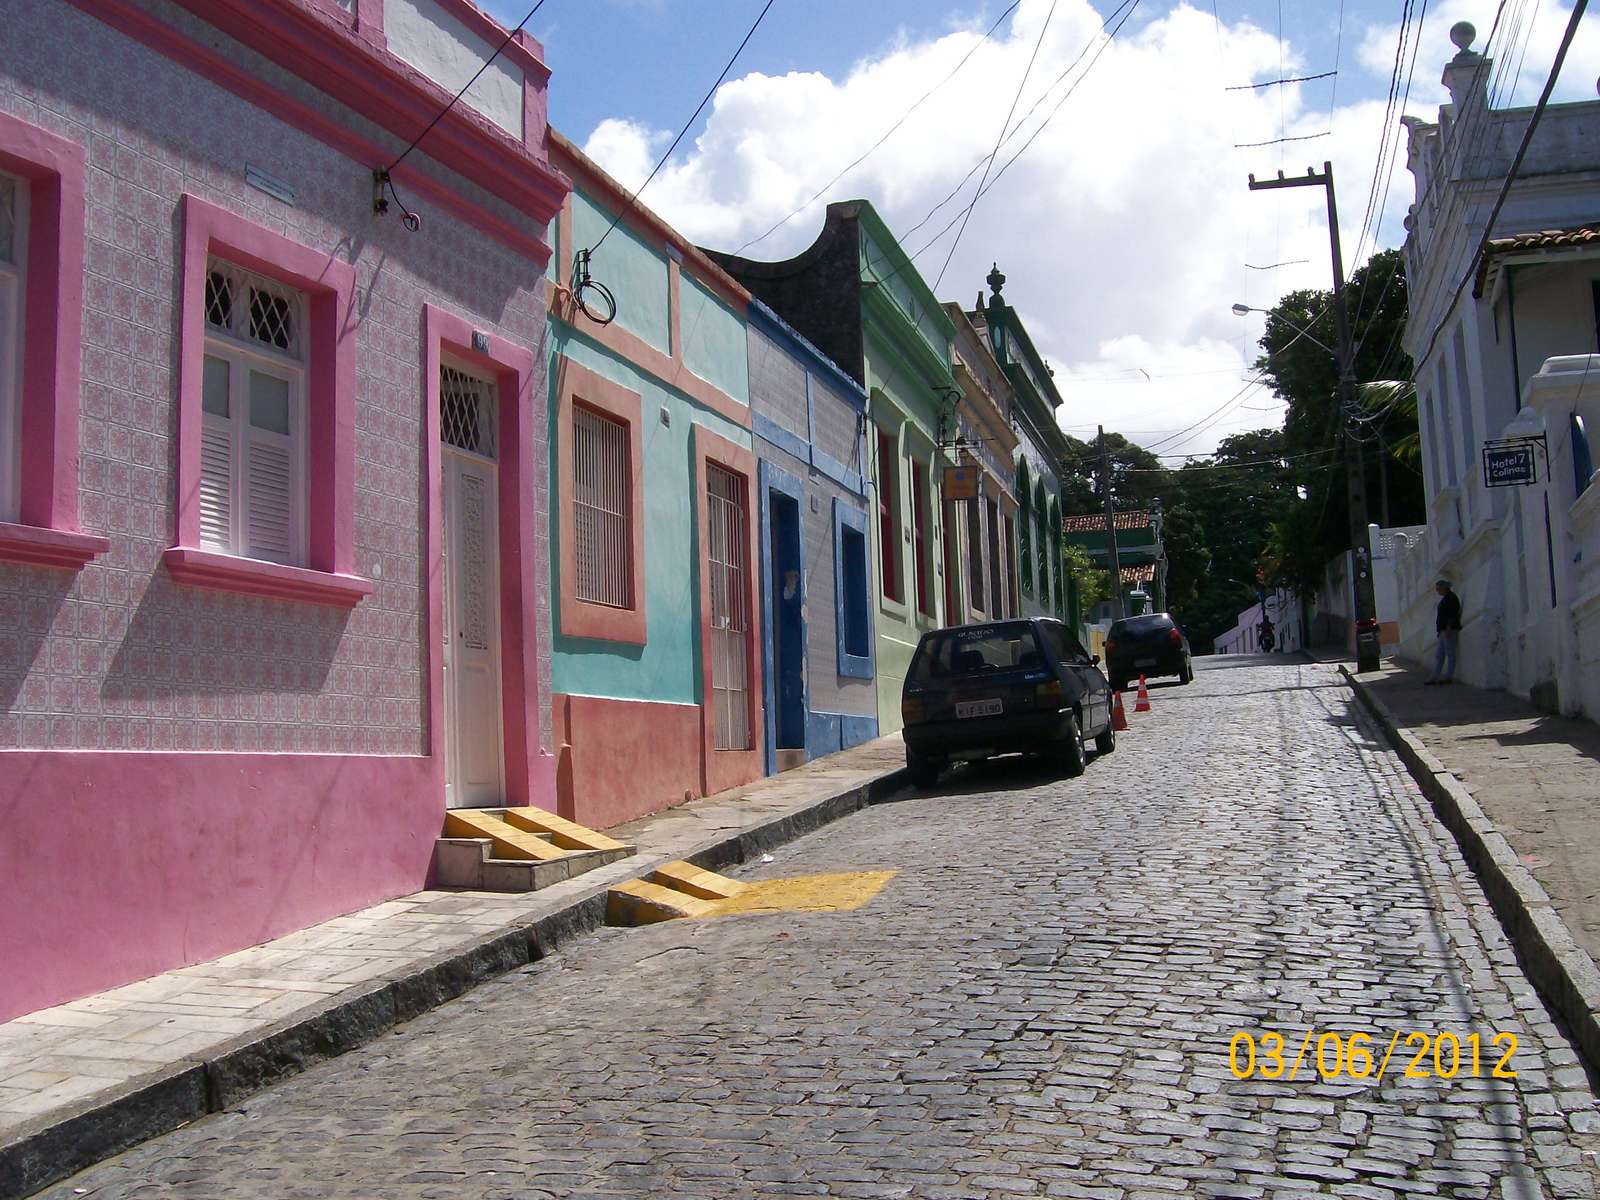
column 1578, row 8
column 1246, row 87
column 633, row 198
column 1129, row 6
column 905, row 116
column 1132, row 6
column 999, row 138
column 504, row 42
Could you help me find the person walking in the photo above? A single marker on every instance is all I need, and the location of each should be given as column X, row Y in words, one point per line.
column 1447, row 625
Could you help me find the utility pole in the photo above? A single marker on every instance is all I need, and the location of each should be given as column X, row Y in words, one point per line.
column 1111, row 527
column 1367, row 642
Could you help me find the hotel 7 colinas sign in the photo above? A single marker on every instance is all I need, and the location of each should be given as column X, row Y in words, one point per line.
column 1509, row 464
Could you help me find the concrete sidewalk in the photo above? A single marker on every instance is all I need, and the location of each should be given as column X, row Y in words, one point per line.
column 1519, row 792
column 87, row 1079
column 1535, row 776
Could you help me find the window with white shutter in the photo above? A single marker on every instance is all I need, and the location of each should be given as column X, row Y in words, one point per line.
column 252, row 477
column 13, row 246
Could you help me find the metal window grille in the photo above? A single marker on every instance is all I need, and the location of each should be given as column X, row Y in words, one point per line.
column 255, row 309
column 602, row 509
column 730, row 622
column 467, row 411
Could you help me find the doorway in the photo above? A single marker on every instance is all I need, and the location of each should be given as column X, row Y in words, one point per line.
column 473, row 749
column 787, row 635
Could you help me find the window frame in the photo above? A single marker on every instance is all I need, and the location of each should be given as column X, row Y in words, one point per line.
column 45, row 531
column 13, row 336
column 614, row 442
column 855, row 520
column 327, row 286
column 244, row 357
column 890, row 519
column 922, row 538
column 577, row 386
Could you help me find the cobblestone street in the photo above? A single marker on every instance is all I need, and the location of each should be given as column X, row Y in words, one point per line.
column 1039, row 1003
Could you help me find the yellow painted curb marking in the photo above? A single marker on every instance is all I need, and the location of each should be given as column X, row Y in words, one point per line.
column 842, row 892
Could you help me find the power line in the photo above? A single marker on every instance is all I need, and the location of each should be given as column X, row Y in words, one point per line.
column 1278, row 141
column 905, row 116
column 1511, row 175
column 504, row 42
column 999, row 138
column 1246, row 87
column 687, row 125
column 956, row 191
column 1023, row 149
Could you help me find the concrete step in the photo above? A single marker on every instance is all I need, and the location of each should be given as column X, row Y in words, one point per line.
column 517, row 850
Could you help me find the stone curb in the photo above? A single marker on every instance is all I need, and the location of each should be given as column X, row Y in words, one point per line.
column 56, row 1145
column 1562, row 971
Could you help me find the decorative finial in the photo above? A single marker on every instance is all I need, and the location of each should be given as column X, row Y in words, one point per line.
column 995, row 279
column 1463, row 33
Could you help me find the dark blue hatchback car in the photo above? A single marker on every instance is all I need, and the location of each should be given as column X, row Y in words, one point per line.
column 1003, row 687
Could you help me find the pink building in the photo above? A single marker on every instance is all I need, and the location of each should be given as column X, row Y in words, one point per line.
column 273, row 528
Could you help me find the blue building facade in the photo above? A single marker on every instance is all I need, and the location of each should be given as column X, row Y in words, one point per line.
column 809, row 423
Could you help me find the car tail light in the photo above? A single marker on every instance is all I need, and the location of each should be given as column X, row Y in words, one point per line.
column 1048, row 695
column 1111, row 645
column 1175, row 637
column 910, row 710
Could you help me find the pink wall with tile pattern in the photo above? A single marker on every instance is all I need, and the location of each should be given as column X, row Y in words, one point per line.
column 117, row 656
column 120, row 865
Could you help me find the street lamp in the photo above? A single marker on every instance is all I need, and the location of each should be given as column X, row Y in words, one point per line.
column 1244, row 310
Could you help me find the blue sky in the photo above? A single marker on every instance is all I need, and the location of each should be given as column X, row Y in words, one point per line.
column 1124, row 226
column 651, row 60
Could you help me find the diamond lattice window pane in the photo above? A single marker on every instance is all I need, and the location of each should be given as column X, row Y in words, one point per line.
column 8, row 219
column 219, row 300
column 271, row 318
column 466, row 411
column 253, row 308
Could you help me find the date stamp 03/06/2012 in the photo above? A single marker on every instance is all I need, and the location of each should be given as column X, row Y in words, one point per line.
column 1333, row 1054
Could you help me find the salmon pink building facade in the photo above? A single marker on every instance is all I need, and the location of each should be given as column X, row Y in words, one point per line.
column 273, row 529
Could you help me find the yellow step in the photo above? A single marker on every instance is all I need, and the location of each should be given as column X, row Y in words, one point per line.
column 695, row 881
column 508, row 841
column 569, row 835
column 638, row 902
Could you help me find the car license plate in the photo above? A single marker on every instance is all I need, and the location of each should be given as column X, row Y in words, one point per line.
column 1144, row 662
column 979, row 708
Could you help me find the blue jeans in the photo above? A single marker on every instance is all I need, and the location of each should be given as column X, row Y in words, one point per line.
column 1444, row 657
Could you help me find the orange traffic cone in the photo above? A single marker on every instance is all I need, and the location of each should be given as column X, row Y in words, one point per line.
column 1143, row 703
column 1119, row 719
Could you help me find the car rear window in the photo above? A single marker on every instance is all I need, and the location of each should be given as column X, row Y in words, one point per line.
column 1138, row 626
column 978, row 649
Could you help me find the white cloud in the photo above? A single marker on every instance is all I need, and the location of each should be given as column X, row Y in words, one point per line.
column 1123, row 230
column 1524, row 47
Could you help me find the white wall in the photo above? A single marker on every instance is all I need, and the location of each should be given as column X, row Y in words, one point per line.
column 422, row 34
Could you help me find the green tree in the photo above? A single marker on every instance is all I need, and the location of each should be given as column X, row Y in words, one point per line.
column 1234, row 499
column 1305, row 375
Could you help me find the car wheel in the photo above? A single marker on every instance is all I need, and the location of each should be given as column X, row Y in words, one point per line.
column 1069, row 750
column 1106, row 743
column 924, row 771
column 1187, row 674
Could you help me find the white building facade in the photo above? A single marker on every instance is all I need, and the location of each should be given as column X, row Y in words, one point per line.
column 1504, row 330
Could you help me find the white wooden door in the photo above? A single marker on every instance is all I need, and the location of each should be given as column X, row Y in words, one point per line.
column 474, row 772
